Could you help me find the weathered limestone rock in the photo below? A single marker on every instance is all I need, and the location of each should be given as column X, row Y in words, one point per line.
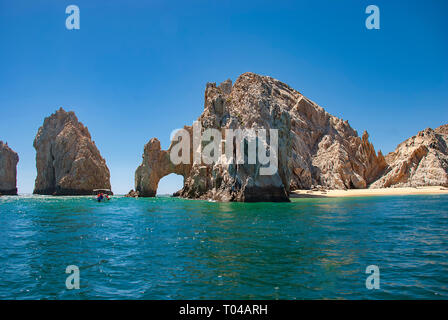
column 421, row 160
column 326, row 151
column 315, row 148
column 248, row 104
column 156, row 164
column 8, row 170
column 226, row 107
column 68, row 161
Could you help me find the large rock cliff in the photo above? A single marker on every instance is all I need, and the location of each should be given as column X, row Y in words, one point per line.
column 8, row 170
column 68, row 161
column 315, row 148
column 421, row 160
column 226, row 107
column 326, row 151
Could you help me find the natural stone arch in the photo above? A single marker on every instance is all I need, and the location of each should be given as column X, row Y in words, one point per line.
column 157, row 164
column 225, row 107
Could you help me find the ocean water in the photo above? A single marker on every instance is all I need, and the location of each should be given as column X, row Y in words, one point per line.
column 168, row 248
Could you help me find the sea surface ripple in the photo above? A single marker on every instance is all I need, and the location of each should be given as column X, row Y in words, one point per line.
column 169, row 248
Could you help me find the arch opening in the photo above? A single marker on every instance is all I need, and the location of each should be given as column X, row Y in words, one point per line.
column 170, row 184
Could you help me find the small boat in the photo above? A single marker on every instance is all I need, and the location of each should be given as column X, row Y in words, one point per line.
column 102, row 195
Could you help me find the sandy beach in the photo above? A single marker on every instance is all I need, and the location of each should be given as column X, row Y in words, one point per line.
column 368, row 192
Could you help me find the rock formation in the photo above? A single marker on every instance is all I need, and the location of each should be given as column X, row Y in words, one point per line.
column 315, row 148
column 132, row 194
column 226, row 107
column 155, row 165
column 421, row 160
column 326, row 151
column 8, row 170
column 68, row 161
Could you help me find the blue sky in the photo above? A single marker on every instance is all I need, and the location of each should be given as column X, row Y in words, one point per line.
column 138, row 69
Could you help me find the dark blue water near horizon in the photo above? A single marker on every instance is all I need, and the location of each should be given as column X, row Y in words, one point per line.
column 168, row 248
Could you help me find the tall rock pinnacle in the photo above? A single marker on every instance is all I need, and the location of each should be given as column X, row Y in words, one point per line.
column 8, row 170
column 68, row 161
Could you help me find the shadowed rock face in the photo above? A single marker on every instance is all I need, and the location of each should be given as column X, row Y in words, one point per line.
column 8, row 170
column 315, row 148
column 227, row 107
column 67, row 160
column 421, row 160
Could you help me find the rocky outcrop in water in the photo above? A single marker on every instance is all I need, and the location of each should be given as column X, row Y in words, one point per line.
column 68, row 161
column 132, row 194
column 226, row 107
column 8, row 170
column 315, row 148
column 421, row 160
column 155, row 165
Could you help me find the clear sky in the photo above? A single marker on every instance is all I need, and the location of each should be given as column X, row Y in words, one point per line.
column 137, row 69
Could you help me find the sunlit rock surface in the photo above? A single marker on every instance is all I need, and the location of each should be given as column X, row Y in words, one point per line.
column 8, row 170
column 421, row 160
column 67, row 160
column 315, row 148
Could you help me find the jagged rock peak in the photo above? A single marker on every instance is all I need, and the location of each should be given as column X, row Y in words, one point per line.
column 421, row 160
column 315, row 148
column 229, row 107
column 442, row 129
column 8, row 170
column 326, row 150
column 68, row 161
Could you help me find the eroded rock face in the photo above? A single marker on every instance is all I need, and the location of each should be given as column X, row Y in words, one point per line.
column 155, row 165
column 246, row 104
column 326, row 151
column 421, row 160
column 68, row 161
column 8, row 170
column 315, row 148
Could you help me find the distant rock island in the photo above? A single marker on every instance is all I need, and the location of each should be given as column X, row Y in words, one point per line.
column 8, row 170
column 67, row 160
column 316, row 149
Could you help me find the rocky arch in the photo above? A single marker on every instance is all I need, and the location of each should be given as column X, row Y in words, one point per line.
column 226, row 107
column 156, row 164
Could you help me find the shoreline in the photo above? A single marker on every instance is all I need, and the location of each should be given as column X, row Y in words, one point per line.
column 368, row 192
column 302, row 194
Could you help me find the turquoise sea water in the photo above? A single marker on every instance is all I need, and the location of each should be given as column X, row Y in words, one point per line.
column 168, row 248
